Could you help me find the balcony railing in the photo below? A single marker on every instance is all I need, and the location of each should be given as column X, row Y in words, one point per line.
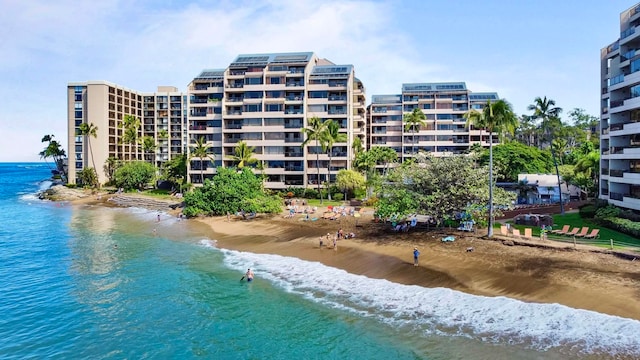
column 617, row 196
column 604, row 191
column 604, row 171
column 616, row 103
column 616, row 173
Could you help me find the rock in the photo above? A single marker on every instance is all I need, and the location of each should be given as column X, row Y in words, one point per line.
column 63, row 193
column 508, row 242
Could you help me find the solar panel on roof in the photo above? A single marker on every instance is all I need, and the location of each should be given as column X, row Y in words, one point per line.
column 330, row 70
column 290, row 58
column 245, row 59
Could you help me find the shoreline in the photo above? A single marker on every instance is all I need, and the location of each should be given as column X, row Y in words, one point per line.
column 578, row 278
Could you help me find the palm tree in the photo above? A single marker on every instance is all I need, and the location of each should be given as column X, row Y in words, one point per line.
column 495, row 117
column 589, row 165
column 330, row 136
column 201, row 151
column 388, row 156
column 314, row 132
column 545, row 110
column 149, row 147
column 131, row 126
column 89, row 130
column 356, row 146
column 413, row 120
column 243, row 155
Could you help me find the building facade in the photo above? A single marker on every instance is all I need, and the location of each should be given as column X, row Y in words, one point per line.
column 264, row 100
column 162, row 117
column 620, row 115
column 444, row 132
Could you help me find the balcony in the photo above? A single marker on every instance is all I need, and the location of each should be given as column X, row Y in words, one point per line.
column 617, row 196
column 616, row 173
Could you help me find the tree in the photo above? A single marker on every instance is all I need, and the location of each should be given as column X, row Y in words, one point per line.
column 134, row 175
column 440, row 187
column 527, row 130
column 366, row 162
column 243, row 155
column 201, row 151
column 495, row 117
column 356, row 146
column 384, row 155
column 330, row 136
column 513, row 158
column 55, row 151
column 149, row 147
column 229, row 192
column 413, row 120
column 110, row 166
column 586, row 123
column 89, row 130
column 314, row 132
column 545, row 110
column 131, row 126
column 175, row 170
column 348, row 181
column 588, row 165
column 88, row 177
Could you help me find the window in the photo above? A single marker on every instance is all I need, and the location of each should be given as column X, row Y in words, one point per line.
column 253, row 81
column 78, row 106
column 317, row 108
column 274, row 107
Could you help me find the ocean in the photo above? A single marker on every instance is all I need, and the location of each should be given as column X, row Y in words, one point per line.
column 91, row 282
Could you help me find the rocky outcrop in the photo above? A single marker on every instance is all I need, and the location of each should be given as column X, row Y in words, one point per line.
column 126, row 200
column 63, row 193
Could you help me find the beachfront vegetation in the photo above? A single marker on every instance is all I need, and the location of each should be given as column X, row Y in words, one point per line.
column 243, row 155
column 88, row 177
column 513, row 158
column 134, row 175
column 348, row 181
column 149, row 147
column 110, row 166
column 412, row 121
column 545, row 110
column 131, row 126
column 88, row 130
column 497, row 117
column 439, row 187
column 330, row 136
column 175, row 171
column 200, row 150
column 229, row 192
column 313, row 132
column 54, row 151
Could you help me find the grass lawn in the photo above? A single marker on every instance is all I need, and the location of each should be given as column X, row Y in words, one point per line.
column 159, row 194
column 325, row 202
column 574, row 220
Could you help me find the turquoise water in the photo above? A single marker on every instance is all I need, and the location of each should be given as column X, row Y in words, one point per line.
column 100, row 283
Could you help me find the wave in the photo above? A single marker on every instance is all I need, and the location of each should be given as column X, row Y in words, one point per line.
column 441, row 311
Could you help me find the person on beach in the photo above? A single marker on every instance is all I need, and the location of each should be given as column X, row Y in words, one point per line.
column 416, row 254
column 340, row 233
column 321, row 241
column 249, row 275
column 158, row 217
column 335, row 243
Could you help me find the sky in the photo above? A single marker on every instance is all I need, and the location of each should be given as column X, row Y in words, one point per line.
column 521, row 49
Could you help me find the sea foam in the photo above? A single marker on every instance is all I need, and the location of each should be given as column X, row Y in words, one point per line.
column 441, row 311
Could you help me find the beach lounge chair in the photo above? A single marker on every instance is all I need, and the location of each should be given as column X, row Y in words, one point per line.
column 561, row 231
column 516, row 232
column 527, row 233
column 594, row 234
column 449, row 238
column 573, row 232
column 582, row 232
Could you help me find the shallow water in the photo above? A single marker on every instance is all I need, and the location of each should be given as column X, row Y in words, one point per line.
column 94, row 282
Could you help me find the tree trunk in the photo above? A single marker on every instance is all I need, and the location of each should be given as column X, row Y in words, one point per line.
column 555, row 163
column 318, row 170
column 490, row 229
column 329, row 171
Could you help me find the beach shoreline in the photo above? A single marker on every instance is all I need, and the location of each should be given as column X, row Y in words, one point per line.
column 578, row 278
column 546, row 273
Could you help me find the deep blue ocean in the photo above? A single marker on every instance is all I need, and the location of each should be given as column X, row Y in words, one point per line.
column 90, row 282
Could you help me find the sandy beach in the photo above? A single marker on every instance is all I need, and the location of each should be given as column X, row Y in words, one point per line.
column 547, row 272
column 579, row 278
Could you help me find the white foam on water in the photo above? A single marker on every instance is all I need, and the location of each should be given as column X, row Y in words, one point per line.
column 442, row 311
column 208, row 243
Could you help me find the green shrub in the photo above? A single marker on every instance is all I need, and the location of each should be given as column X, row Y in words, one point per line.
column 629, row 215
column 310, row 193
column 607, row 212
column 134, row 175
column 372, row 201
column 587, row 211
column 71, row 186
column 622, row 225
column 337, row 196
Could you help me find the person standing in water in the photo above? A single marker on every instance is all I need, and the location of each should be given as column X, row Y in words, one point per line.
column 249, row 275
column 416, row 254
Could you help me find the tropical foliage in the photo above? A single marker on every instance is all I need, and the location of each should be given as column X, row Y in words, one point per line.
column 134, row 175
column 88, row 130
column 243, row 155
column 513, row 158
column 54, row 151
column 131, row 126
column 230, row 191
column 439, row 187
column 348, row 181
column 314, row 132
column 88, row 177
column 330, row 136
column 200, row 150
column 413, row 121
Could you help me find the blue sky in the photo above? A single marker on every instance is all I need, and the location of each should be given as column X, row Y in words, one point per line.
column 521, row 49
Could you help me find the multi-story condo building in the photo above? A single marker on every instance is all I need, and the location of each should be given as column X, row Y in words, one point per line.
column 444, row 132
column 265, row 100
column 620, row 115
column 162, row 115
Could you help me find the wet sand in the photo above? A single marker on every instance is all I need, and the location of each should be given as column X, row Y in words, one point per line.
column 579, row 278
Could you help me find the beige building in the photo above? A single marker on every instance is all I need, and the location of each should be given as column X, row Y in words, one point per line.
column 444, row 132
column 162, row 117
column 265, row 100
column 620, row 115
